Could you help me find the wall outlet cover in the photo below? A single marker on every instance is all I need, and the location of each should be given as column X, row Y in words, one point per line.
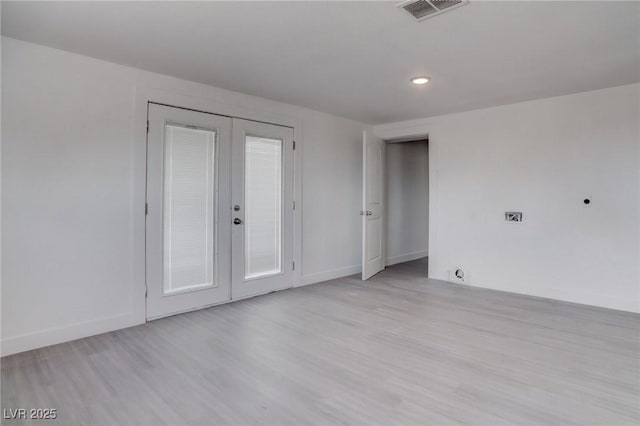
column 458, row 275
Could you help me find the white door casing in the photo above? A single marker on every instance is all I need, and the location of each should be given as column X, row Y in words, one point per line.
column 373, row 209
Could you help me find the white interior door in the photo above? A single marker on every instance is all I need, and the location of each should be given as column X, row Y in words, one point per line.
column 372, row 205
column 262, row 192
column 188, row 216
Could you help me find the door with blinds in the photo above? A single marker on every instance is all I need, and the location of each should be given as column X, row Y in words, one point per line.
column 262, row 192
column 219, row 222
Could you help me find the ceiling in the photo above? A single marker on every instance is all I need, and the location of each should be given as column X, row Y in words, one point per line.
column 354, row 59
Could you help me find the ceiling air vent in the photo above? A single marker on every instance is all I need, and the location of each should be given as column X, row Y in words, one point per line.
column 423, row 9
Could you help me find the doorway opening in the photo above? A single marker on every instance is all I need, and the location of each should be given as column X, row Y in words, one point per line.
column 395, row 203
column 407, row 204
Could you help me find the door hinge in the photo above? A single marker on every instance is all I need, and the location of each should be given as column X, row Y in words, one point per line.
column 294, row 266
column 146, row 209
column 147, row 126
column 294, row 145
column 294, row 205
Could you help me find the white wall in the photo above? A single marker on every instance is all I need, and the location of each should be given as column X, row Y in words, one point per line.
column 71, row 212
column 72, row 244
column 542, row 158
column 407, row 186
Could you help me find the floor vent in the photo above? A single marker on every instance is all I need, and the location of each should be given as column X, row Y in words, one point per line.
column 423, row 9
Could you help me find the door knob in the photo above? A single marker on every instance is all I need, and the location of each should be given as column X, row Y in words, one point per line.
column 369, row 213
column 237, row 221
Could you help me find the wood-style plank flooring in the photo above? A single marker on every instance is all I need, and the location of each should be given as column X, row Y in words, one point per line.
column 398, row 349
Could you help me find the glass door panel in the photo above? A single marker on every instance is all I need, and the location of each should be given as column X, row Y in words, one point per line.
column 189, row 187
column 263, row 207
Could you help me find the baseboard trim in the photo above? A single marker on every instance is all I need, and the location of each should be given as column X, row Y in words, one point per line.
column 56, row 335
column 329, row 275
column 53, row 336
column 594, row 300
column 406, row 257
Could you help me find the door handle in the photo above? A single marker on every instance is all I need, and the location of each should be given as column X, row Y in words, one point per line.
column 237, row 221
column 366, row 213
column 369, row 213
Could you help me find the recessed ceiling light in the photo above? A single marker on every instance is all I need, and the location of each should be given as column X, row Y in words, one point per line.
column 420, row 80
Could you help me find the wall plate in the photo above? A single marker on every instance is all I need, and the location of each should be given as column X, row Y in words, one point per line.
column 454, row 275
column 513, row 217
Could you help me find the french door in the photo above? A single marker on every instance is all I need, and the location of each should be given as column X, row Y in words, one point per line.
column 219, row 209
column 262, row 188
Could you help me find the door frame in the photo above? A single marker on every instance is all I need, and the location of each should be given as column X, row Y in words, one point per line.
column 193, row 100
column 410, row 131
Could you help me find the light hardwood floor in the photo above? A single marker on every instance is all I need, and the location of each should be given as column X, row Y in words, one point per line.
column 398, row 349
